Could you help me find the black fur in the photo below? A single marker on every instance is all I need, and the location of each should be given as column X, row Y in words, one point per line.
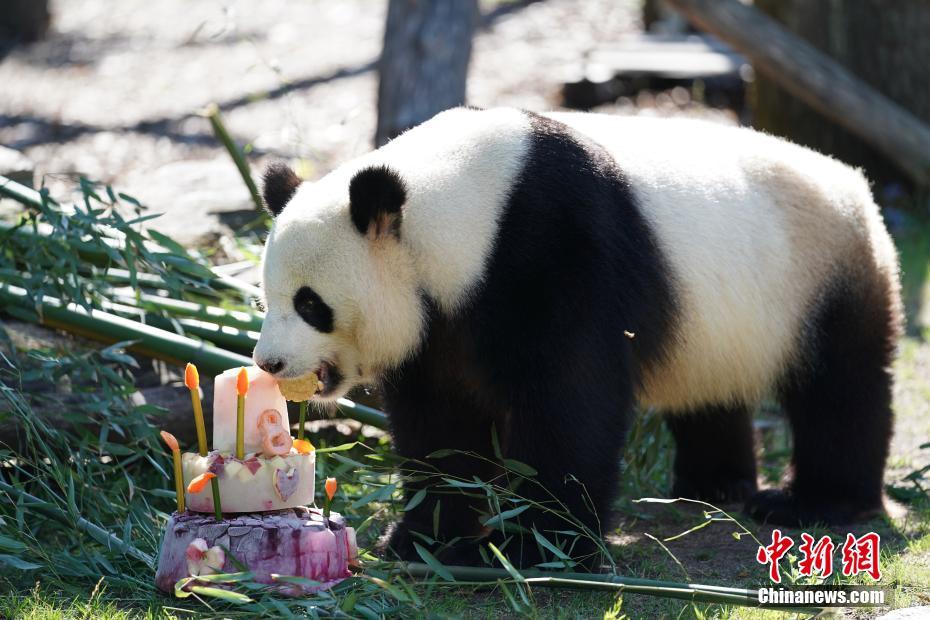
column 313, row 310
column 540, row 352
column 278, row 187
column 376, row 195
column 838, row 400
column 714, row 456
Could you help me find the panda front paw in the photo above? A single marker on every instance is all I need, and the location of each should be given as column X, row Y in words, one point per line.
column 782, row 507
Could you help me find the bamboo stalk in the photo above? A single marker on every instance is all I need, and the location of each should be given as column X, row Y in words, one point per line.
column 362, row 413
column 107, row 327
column 96, row 532
column 212, row 112
column 229, row 338
column 150, row 341
column 20, row 193
column 203, row 312
column 221, row 282
column 698, row 593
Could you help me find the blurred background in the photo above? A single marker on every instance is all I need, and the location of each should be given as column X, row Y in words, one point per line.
column 116, row 91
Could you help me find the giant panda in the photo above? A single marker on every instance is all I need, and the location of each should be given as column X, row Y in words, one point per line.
column 542, row 274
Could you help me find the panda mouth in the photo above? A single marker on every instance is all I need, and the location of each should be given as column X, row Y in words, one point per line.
column 330, row 376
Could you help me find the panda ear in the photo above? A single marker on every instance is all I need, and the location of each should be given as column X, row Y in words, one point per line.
column 278, row 186
column 376, row 195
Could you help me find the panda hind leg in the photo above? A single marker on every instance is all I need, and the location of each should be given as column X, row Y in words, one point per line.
column 839, row 405
column 714, row 454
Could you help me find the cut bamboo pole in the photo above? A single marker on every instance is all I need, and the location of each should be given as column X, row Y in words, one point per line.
column 203, row 312
column 104, row 326
column 229, row 338
column 212, row 112
column 152, row 342
column 597, row 581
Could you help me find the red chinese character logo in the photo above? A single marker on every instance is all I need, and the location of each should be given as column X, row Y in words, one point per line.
column 773, row 553
column 860, row 555
column 817, row 557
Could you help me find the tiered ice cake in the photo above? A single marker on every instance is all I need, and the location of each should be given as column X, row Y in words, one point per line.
column 262, row 480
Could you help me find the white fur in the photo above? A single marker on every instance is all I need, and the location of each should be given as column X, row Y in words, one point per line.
column 754, row 228
column 457, row 168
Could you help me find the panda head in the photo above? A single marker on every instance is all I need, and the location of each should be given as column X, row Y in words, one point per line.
column 341, row 291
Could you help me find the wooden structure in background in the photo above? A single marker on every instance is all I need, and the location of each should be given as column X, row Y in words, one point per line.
column 820, row 82
column 885, row 44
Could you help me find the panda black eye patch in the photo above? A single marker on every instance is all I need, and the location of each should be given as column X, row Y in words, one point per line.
column 313, row 309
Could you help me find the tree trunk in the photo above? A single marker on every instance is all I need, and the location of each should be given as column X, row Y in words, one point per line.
column 424, row 63
column 885, row 44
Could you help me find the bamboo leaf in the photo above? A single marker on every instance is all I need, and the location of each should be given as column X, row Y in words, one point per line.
column 225, row 595
column 17, row 563
column 520, row 468
column 498, row 519
column 227, row 577
column 339, row 448
column 380, row 494
column 556, row 564
column 416, row 500
column 10, row 544
column 506, row 563
column 433, row 563
column 495, row 444
column 300, row 581
column 390, row 589
column 542, row 540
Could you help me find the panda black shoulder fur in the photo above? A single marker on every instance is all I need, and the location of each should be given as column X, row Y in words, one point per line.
column 488, row 267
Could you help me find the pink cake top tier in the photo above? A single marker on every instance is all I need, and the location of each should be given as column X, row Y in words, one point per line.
column 263, row 394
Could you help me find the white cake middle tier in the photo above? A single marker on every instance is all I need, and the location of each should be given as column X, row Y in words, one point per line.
column 253, row 484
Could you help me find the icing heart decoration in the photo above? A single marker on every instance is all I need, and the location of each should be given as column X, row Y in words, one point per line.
column 285, row 483
column 276, row 440
column 202, row 560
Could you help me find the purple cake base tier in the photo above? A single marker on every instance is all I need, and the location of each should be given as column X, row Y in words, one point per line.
column 295, row 542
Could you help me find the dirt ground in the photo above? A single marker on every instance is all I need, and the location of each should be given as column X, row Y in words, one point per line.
column 115, row 91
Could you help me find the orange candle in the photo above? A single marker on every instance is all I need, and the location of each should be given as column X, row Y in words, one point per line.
column 192, row 381
column 178, row 475
column 330, row 487
column 242, row 388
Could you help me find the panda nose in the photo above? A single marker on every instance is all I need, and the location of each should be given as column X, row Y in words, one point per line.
column 273, row 365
